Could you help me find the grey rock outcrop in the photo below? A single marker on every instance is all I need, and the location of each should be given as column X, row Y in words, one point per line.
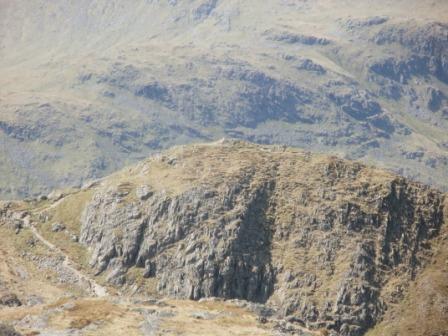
column 353, row 24
column 428, row 43
column 221, row 261
column 7, row 330
column 10, row 300
column 294, row 38
column 57, row 227
column 318, row 238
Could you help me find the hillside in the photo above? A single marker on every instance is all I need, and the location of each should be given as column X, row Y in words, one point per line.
column 88, row 87
column 299, row 243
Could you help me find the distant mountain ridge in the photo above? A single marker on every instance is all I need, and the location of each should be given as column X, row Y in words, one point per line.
column 88, row 87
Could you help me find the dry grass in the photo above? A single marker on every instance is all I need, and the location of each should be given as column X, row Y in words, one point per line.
column 69, row 209
column 148, row 286
column 424, row 311
column 323, row 332
column 20, row 275
column 80, row 323
column 68, row 212
column 228, row 320
column 104, row 314
column 112, row 317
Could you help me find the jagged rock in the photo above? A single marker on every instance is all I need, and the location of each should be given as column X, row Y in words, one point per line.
column 354, row 24
column 55, row 195
column 143, row 192
column 10, row 300
column 257, row 280
column 204, row 9
column 361, row 106
column 286, row 328
column 309, row 65
column 150, row 269
column 155, row 91
column 90, row 184
column 31, row 242
column 57, row 227
column 203, row 315
column 435, row 98
column 21, row 132
column 17, row 225
column 280, row 228
column 7, row 330
column 401, row 70
column 34, row 300
column 428, row 43
column 109, row 94
column 298, row 38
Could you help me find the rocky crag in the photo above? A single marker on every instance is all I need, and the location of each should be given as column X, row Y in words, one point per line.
column 314, row 244
column 328, row 243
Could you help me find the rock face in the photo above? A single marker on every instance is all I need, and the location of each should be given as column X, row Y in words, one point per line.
column 222, row 239
column 428, row 42
column 327, row 241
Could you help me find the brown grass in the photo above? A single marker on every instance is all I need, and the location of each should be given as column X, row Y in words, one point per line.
column 80, row 323
column 229, row 320
column 85, row 312
column 68, row 211
column 423, row 311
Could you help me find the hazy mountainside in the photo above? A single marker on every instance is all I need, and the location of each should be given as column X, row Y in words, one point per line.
column 321, row 245
column 90, row 86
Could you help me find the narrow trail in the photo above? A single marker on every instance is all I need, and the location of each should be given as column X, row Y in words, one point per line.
column 95, row 288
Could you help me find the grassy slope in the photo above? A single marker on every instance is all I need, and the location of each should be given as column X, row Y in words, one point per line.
column 42, row 69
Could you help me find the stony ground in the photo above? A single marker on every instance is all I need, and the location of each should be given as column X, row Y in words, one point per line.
column 39, row 295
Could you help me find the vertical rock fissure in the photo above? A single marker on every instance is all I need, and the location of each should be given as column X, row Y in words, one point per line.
column 252, row 248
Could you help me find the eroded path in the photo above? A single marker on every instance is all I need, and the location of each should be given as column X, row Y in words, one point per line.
column 88, row 283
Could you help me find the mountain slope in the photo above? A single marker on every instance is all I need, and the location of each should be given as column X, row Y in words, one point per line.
column 324, row 243
column 88, row 87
